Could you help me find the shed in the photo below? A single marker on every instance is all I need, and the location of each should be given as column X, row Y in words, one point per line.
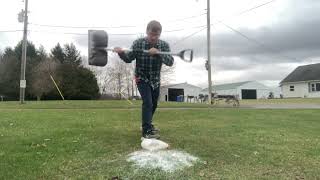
column 244, row 90
column 183, row 90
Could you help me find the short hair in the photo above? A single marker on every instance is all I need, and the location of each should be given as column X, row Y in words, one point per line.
column 154, row 26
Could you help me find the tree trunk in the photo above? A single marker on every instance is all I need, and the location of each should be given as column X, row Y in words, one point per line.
column 119, row 86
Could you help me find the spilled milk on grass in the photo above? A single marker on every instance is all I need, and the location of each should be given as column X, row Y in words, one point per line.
column 166, row 160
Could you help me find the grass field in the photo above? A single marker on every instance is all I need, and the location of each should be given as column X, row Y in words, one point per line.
column 283, row 101
column 91, row 140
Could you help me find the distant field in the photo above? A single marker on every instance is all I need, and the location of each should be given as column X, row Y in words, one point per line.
column 91, row 140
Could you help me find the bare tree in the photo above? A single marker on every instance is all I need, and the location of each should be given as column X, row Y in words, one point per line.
column 117, row 77
column 122, row 73
column 129, row 76
column 41, row 81
column 167, row 74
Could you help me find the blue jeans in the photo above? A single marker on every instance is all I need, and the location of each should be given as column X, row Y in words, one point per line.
column 149, row 104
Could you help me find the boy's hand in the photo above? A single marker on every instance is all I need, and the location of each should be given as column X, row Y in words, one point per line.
column 118, row 50
column 153, row 51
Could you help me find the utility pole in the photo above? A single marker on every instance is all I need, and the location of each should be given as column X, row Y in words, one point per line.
column 209, row 52
column 24, row 55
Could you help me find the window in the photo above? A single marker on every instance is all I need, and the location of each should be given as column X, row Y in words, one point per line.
column 314, row 87
column 318, row 87
column 291, row 88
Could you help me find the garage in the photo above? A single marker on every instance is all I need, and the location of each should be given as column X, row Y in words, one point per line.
column 249, row 93
column 181, row 90
column 243, row 90
column 173, row 93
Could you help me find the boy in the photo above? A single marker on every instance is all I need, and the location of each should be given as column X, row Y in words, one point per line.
column 147, row 72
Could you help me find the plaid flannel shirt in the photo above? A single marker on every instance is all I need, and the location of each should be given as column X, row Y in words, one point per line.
column 148, row 67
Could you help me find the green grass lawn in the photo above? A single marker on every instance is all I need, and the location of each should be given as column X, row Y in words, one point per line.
column 282, row 101
column 100, row 104
column 91, row 140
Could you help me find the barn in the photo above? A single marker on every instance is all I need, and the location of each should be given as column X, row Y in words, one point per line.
column 179, row 92
column 244, row 90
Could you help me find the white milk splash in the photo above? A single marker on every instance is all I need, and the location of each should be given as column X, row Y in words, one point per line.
column 167, row 160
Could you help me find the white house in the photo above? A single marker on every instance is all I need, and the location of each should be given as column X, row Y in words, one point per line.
column 303, row 82
column 244, row 90
column 171, row 92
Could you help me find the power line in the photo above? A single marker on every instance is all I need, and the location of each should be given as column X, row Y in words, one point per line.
column 240, row 13
column 52, row 32
column 115, row 34
column 131, row 34
column 126, row 34
column 244, row 11
column 8, row 31
column 255, row 41
column 109, row 27
column 190, row 35
column 255, row 7
column 183, row 29
column 81, row 27
column 132, row 26
column 191, row 17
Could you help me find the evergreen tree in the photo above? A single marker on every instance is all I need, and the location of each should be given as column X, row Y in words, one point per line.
column 75, row 81
column 72, row 55
column 58, row 54
column 9, row 75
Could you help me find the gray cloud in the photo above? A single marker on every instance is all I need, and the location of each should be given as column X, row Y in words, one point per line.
column 292, row 38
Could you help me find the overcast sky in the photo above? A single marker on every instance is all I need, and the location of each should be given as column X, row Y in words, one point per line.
column 252, row 43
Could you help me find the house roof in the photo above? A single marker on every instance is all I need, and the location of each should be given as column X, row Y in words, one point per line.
column 228, row 86
column 304, row 73
column 179, row 84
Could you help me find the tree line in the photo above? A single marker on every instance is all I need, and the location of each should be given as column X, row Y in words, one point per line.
column 62, row 64
column 65, row 65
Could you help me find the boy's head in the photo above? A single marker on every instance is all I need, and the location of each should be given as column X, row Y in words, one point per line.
column 154, row 29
